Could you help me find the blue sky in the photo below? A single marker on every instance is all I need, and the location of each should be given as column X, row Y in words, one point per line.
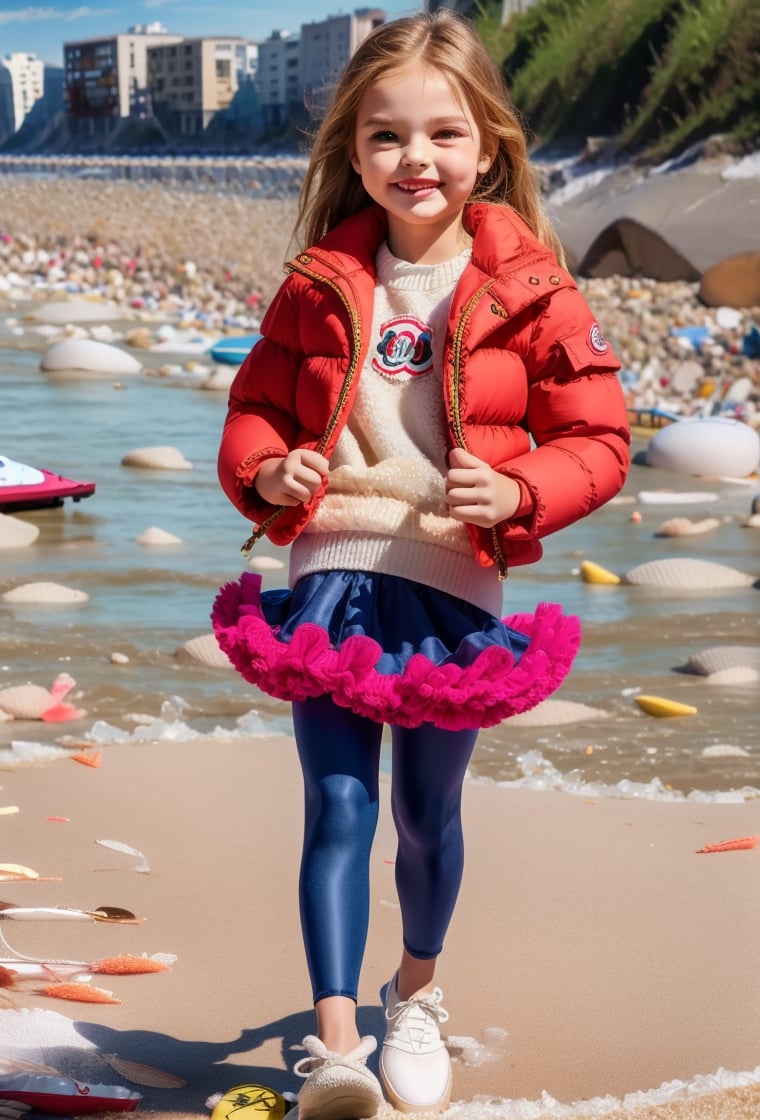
column 42, row 28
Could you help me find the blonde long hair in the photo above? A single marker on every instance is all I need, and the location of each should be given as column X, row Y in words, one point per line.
column 448, row 43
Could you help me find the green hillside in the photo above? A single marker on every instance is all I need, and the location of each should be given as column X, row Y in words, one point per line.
column 653, row 75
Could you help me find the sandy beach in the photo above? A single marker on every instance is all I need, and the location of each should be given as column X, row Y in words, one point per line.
column 598, row 964
column 594, row 953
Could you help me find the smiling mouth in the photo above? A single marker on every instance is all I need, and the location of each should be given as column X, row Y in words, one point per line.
column 411, row 186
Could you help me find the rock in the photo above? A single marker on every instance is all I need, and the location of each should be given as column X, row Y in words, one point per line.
column 76, row 311
column 89, row 355
column 717, row 658
column 117, row 658
column 685, row 527
column 711, row 446
column 685, row 574
column 157, row 458
column 43, row 592
column 737, row 674
column 15, row 533
column 155, row 536
column 733, row 282
column 552, row 713
column 266, row 564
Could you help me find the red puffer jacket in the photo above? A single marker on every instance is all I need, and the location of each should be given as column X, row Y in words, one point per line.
column 524, row 357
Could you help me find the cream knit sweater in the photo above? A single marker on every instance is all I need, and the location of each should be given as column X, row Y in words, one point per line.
column 385, row 509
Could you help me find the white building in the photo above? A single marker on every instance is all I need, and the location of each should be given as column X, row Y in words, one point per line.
column 21, row 87
column 325, row 48
column 277, row 78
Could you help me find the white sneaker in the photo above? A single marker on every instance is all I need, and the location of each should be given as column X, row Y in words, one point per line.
column 337, row 1086
column 414, row 1063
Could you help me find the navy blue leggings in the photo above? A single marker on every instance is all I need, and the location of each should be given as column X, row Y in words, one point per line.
column 340, row 756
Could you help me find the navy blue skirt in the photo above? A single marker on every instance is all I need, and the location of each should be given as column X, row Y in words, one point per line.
column 394, row 650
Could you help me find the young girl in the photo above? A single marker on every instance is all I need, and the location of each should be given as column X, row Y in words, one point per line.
column 431, row 396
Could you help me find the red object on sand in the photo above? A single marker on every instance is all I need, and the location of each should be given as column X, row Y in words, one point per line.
column 740, row 844
column 25, row 487
column 60, row 1096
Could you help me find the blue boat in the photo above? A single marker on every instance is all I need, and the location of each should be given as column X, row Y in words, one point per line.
column 233, row 350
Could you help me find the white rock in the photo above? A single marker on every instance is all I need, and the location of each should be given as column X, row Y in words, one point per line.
column 550, row 713
column 724, row 750
column 710, row 446
column 118, row 658
column 685, row 574
column 157, row 458
column 15, row 533
column 89, row 355
column 77, row 311
column 738, row 674
column 44, row 593
column 156, row 536
column 716, row 658
column 220, row 378
column 266, row 564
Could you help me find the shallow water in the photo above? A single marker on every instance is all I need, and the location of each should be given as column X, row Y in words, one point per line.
column 146, row 602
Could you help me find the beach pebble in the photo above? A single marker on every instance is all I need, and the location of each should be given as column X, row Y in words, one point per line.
column 77, row 311
column 220, row 378
column 25, row 701
column 716, row 658
column 552, row 713
column 118, row 658
column 685, row 527
column 15, row 533
column 685, row 574
column 734, row 281
column 266, row 564
column 156, row 536
column 157, row 458
column 89, row 355
column 724, row 750
column 204, row 649
column 710, row 447
column 43, row 592
column 737, row 674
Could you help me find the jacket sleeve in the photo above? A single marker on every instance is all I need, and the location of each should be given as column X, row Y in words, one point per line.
column 260, row 422
column 577, row 418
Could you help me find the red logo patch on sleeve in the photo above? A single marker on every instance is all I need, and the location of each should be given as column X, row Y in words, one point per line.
column 596, row 340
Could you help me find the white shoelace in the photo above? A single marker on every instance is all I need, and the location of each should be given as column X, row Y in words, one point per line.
column 417, row 1019
column 319, row 1057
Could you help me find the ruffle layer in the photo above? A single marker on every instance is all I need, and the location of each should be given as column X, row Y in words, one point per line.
column 481, row 694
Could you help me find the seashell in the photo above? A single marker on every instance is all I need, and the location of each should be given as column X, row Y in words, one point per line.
column 683, row 574
column 25, row 701
column 712, row 660
column 550, row 713
column 157, row 459
column 127, row 850
column 145, row 1075
column 737, row 674
column 685, row 527
column 15, row 533
column 156, row 536
column 43, row 592
column 204, row 649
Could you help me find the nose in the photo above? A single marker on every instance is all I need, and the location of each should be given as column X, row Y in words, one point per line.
column 416, row 153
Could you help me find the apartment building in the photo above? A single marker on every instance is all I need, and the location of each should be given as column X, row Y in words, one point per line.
column 21, row 87
column 193, row 80
column 325, row 48
column 277, row 78
column 107, row 78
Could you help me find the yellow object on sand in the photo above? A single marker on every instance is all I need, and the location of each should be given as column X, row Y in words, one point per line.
column 659, row 706
column 259, row 1101
column 595, row 573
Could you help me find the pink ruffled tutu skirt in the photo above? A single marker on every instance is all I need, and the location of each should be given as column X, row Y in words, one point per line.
column 393, row 650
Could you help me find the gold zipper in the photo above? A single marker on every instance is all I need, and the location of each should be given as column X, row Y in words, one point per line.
column 347, row 382
column 456, row 417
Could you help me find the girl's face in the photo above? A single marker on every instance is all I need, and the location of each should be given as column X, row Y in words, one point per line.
column 418, row 151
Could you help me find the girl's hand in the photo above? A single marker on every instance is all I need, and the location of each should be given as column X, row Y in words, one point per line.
column 292, row 480
column 476, row 493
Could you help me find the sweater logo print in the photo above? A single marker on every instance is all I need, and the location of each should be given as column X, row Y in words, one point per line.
column 404, row 349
